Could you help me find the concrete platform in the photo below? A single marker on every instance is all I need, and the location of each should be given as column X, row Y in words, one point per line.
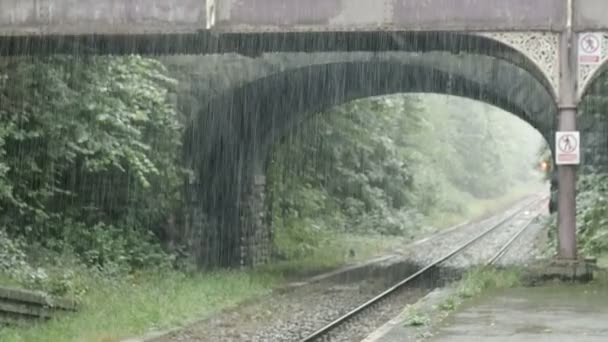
column 577, row 313
column 559, row 313
column 543, row 270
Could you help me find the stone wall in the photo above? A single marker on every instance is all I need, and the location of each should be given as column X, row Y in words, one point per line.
column 256, row 238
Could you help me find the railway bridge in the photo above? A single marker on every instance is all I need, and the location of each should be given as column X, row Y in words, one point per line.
column 535, row 59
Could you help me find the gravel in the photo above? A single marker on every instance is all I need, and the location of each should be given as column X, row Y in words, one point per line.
column 484, row 249
column 478, row 253
column 528, row 247
column 436, row 248
column 285, row 317
column 295, row 314
column 359, row 328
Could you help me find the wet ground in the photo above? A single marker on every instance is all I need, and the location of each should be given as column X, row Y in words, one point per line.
column 553, row 313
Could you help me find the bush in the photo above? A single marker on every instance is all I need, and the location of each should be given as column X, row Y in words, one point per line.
column 13, row 260
column 111, row 247
column 17, row 271
column 591, row 215
column 89, row 158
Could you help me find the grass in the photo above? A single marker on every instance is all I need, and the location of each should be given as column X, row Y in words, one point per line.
column 8, row 281
column 416, row 319
column 336, row 248
column 479, row 280
column 474, row 283
column 476, row 209
column 336, row 251
column 112, row 311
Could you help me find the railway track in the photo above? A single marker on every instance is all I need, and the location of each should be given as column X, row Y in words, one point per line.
column 360, row 313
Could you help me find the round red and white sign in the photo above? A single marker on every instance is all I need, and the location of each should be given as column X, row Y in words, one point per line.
column 590, row 44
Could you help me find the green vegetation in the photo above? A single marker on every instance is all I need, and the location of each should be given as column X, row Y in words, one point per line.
column 336, row 249
column 396, row 165
column 592, row 215
column 482, row 279
column 92, row 189
column 89, row 151
column 474, row 283
column 592, row 183
column 416, row 319
column 116, row 309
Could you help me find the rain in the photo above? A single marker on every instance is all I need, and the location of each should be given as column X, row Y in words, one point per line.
column 268, row 184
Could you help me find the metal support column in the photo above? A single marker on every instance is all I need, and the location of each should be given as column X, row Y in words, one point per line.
column 567, row 122
column 566, row 215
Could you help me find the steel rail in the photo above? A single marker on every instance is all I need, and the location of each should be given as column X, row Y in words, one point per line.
column 516, row 236
column 349, row 315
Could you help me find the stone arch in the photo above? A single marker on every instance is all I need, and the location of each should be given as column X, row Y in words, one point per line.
column 535, row 52
column 316, row 87
column 236, row 128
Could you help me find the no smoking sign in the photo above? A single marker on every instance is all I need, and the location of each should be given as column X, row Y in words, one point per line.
column 567, row 148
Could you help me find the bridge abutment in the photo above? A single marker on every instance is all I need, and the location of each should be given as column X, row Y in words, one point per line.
column 255, row 224
column 227, row 210
column 222, row 234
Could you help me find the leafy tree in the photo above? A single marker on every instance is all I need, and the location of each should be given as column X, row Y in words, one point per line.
column 89, row 141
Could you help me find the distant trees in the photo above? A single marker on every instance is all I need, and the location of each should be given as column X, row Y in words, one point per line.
column 384, row 165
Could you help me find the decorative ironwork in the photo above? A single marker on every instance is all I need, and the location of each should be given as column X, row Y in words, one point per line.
column 542, row 48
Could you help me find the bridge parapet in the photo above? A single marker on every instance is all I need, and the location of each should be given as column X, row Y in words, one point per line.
column 372, row 15
column 590, row 15
column 101, row 17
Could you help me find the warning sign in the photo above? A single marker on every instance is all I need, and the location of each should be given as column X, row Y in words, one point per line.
column 590, row 48
column 567, row 148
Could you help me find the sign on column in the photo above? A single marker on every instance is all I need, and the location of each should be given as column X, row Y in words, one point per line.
column 567, row 148
column 590, row 48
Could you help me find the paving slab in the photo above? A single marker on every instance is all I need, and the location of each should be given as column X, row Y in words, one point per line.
column 550, row 313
